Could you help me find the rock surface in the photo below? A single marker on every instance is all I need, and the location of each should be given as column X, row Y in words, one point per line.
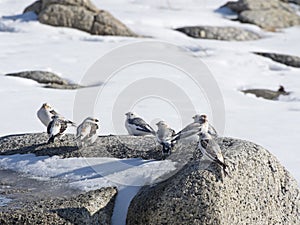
column 52, row 202
column 268, row 14
column 219, row 33
column 50, row 79
column 266, row 93
column 259, row 191
column 288, row 60
column 106, row 146
column 78, row 14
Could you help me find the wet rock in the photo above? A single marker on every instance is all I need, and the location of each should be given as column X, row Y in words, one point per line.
column 259, row 191
column 50, row 79
column 288, row 60
column 266, row 93
column 220, row 33
column 78, row 14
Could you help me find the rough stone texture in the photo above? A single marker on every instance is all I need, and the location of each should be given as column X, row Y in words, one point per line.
column 268, row 14
column 220, row 33
column 50, row 79
column 270, row 19
column 260, row 191
column 78, row 14
column 266, row 93
column 52, row 201
column 105, row 146
column 288, row 60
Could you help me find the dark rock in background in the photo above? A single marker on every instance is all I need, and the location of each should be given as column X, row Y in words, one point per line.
column 50, row 79
column 268, row 14
column 220, row 33
column 288, row 60
column 78, row 14
column 266, row 93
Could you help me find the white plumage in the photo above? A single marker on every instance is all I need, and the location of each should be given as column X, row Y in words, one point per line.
column 137, row 126
column 165, row 137
column 56, row 128
column 46, row 112
column 87, row 131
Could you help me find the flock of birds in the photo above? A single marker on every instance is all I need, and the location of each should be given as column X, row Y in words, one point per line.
column 87, row 132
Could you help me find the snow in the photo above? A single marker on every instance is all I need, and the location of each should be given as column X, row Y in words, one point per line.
column 128, row 175
column 28, row 45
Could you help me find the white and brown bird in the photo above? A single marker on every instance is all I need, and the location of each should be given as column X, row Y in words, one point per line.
column 210, row 149
column 137, row 126
column 165, row 137
column 46, row 112
column 87, row 131
column 201, row 119
column 57, row 127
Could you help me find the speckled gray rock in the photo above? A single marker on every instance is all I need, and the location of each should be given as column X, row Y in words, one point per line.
column 260, row 191
column 288, row 60
column 78, row 14
column 270, row 19
column 220, row 33
column 93, row 207
column 105, row 146
column 268, row 14
column 266, row 93
column 43, row 77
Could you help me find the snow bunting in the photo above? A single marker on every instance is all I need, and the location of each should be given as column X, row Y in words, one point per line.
column 210, row 148
column 201, row 119
column 57, row 127
column 137, row 126
column 165, row 137
column 87, row 131
column 45, row 114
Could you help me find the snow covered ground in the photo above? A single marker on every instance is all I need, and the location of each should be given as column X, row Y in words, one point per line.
column 28, row 45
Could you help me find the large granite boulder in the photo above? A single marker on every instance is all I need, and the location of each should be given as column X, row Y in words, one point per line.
column 105, row 146
column 52, row 202
column 268, row 14
column 78, row 14
column 259, row 191
column 220, row 33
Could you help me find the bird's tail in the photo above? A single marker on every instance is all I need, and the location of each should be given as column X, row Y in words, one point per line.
column 224, row 167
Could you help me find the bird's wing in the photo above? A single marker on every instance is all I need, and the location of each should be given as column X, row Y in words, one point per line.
column 94, row 128
column 141, row 125
column 49, row 127
column 63, row 125
column 212, row 149
column 189, row 130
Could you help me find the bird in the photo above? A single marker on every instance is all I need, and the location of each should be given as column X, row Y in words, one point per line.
column 137, row 126
column 165, row 137
column 210, row 148
column 87, row 131
column 57, row 127
column 201, row 119
column 45, row 114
